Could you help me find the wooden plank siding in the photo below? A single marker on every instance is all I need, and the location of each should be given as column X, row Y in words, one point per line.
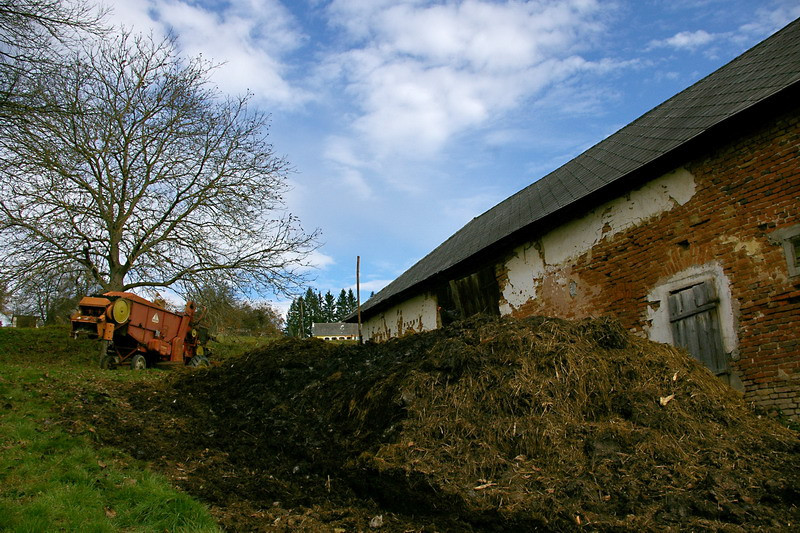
column 695, row 325
column 470, row 295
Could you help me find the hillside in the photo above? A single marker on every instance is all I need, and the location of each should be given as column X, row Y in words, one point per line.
column 53, row 474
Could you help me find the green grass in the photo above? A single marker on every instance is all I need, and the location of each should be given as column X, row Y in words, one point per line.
column 49, row 345
column 55, row 480
column 225, row 346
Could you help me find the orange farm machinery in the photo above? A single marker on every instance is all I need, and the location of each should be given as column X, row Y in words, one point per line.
column 140, row 333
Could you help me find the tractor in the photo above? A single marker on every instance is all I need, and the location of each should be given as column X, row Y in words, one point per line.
column 141, row 333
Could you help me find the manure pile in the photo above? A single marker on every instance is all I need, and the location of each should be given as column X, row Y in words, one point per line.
column 486, row 425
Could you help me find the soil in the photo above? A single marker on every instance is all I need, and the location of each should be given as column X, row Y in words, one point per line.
column 485, row 425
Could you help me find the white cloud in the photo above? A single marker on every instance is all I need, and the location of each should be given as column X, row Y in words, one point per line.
column 370, row 286
column 281, row 306
column 769, row 20
column 356, row 182
column 685, row 40
column 422, row 73
column 133, row 14
column 341, row 154
column 251, row 38
column 765, row 21
column 316, row 260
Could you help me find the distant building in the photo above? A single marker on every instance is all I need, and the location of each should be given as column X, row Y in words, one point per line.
column 24, row 321
column 334, row 331
column 684, row 224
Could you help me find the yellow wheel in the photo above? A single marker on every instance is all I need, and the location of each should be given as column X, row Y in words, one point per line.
column 199, row 351
column 121, row 311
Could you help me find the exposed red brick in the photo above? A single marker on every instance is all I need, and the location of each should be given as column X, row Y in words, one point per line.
column 744, row 191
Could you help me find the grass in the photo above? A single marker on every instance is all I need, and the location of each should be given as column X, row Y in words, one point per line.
column 52, row 479
column 225, row 346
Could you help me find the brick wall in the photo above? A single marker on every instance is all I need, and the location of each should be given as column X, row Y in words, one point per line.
column 745, row 190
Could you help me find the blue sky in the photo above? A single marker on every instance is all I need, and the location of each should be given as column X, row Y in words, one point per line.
column 404, row 119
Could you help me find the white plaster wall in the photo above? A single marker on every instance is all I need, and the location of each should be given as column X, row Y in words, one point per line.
column 531, row 261
column 658, row 196
column 522, row 283
column 418, row 314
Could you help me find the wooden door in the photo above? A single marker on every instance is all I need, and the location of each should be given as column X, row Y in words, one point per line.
column 694, row 315
column 467, row 296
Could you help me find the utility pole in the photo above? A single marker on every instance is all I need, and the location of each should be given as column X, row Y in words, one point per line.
column 358, row 296
column 301, row 329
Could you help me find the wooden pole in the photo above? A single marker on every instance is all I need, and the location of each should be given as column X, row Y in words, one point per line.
column 358, row 295
column 301, row 329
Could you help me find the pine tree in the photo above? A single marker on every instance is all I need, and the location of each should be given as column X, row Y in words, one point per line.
column 313, row 306
column 311, row 312
column 293, row 326
column 329, row 307
column 342, row 309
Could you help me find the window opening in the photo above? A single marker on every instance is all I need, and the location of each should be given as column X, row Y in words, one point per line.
column 470, row 295
column 789, row 239
column 794, row 256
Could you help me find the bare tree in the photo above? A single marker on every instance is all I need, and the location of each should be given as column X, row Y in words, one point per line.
column 29, row 32
column 55, row 296
column 147, row 178
column 224, row 313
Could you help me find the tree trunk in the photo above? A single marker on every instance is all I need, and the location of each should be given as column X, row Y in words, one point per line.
column 116, row 281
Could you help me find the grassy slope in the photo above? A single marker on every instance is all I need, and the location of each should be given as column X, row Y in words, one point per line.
column 52, row 477
column 224, row 346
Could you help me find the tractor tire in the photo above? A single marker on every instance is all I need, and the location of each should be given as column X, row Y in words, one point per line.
column 199, row 361
column 138, row 362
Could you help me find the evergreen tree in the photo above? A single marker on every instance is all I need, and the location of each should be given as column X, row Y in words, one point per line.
column 293, row 318
column 313, row 306
column 303, row 311
column 312, row 310
column 342, row 308
column 329, row 307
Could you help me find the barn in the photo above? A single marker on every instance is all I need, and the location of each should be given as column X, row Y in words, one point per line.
column 684, row 225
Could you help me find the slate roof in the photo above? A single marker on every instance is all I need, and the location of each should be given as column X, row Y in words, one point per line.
column 333, row 329
column 754, row 77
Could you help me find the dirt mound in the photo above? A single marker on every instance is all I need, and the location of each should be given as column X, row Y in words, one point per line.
column 499, row 425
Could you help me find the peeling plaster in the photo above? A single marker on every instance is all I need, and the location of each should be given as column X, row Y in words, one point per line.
column 533, row 261
column 752, row 247
column 577, row 237
column 522, row 284
column 411, row 316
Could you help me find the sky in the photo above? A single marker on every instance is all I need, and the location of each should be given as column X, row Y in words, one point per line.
column 404, row 119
